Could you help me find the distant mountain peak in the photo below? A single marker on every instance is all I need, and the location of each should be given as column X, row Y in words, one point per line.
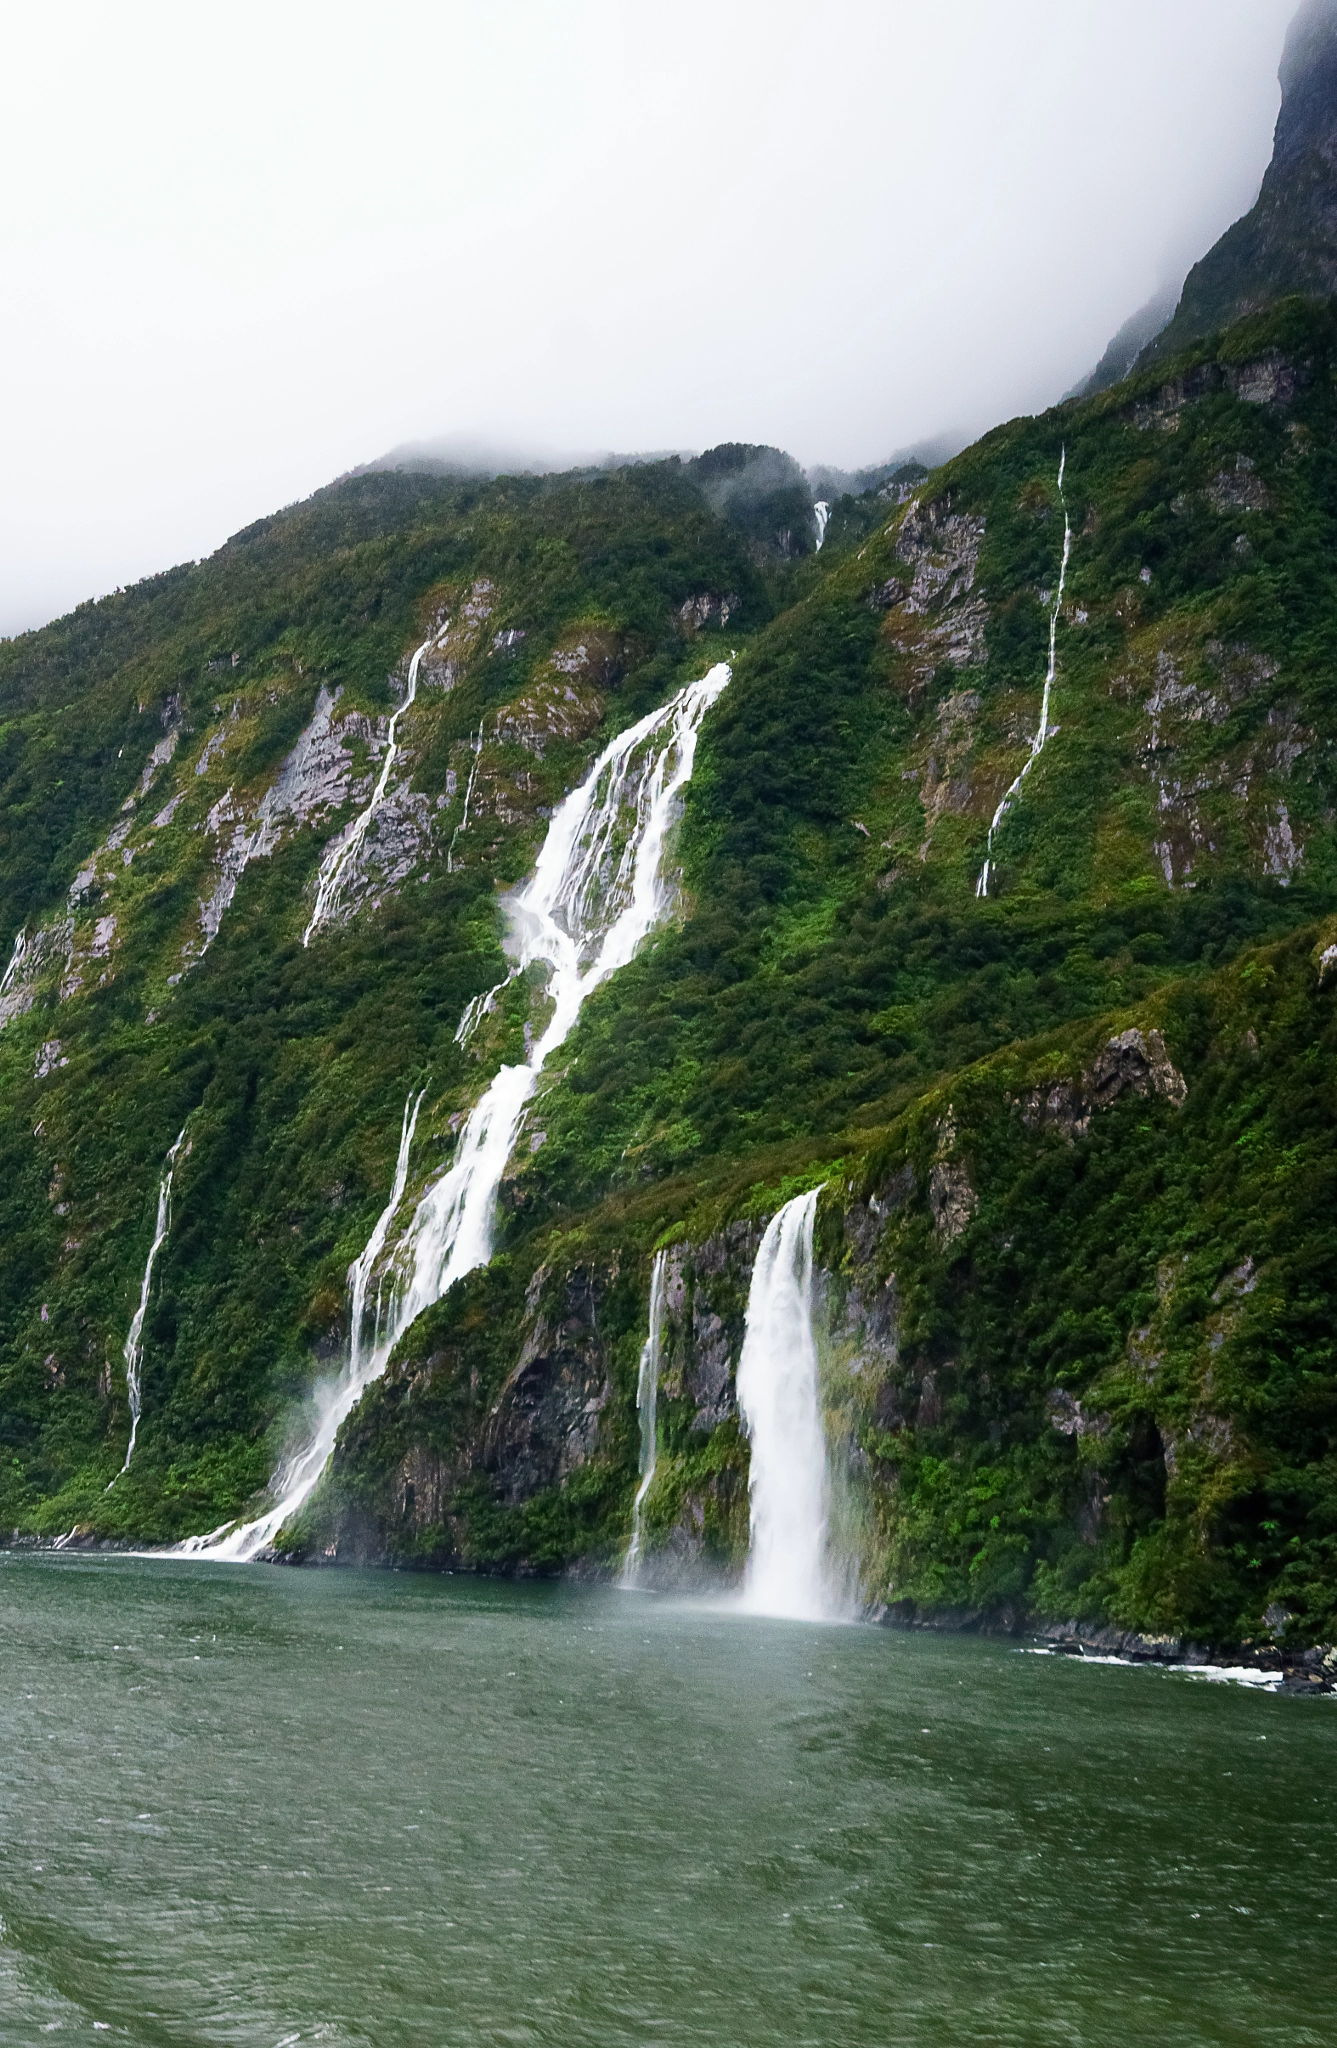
column 1287, row 242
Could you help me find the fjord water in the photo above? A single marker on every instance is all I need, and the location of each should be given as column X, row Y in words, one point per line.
column 251, row 1807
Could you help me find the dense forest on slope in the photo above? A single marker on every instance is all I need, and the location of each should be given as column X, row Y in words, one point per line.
column 1074, row 1134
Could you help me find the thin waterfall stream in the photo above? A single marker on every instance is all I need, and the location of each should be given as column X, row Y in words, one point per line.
column 134, row 1351
column 788, row 1569
column 342, row 849
column 15, row 959
column 1042, row 733
column 647, row 1409
column 598, row 889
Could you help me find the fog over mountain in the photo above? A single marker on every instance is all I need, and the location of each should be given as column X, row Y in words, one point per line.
column 246, row 254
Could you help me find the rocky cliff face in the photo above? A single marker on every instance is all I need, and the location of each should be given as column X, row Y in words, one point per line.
column 1073, row 1137
column 1047, row 1306
column 1287, row 243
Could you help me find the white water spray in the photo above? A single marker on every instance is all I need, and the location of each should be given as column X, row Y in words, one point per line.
column 133, row 1351
column 647, row 1406
column 297, row 1476
column 788, row 1571
column 479, row 1007
column 597, row 890
column 338, row 855
column 1038, row 743
column 821, row 512
column 15, row 959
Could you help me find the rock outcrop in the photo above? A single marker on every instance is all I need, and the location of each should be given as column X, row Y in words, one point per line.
column 1287, row 242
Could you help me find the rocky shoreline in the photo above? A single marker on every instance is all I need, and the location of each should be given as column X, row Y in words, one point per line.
column 1301, row 1672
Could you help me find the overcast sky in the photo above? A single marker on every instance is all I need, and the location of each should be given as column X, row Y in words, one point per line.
column 245, row 247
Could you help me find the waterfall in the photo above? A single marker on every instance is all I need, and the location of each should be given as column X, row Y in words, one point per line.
column 647, row 1402
column 133, row 1350
column 296, row 1476
column 463, row 825
column 341, row 850
column 597, row 890
column 787, row 1569
column 821, row 512
column 15, row 958
column 1038, row 743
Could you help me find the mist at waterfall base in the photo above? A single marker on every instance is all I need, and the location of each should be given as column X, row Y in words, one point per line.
column 374, row 1810
column 789, row 1571
column 598, row 889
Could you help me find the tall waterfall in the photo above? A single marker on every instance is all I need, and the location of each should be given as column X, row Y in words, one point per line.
column 647, row 1404
column 1042, row 734
column 787, row 1569
column 341, row 850
column 821, row 512
column 597, row 889
column 133, row 1351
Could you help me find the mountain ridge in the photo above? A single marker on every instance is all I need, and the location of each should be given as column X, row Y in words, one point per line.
column 1000, row 911
column 832, row 1005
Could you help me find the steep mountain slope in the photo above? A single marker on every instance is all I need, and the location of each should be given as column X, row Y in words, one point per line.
column 1071, row 1114
column 1287, row 242
column 1078, row 1335
column 167, row 802
column 1135, row 335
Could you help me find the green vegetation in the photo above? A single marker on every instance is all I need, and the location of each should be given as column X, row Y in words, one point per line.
column 1109, row 1384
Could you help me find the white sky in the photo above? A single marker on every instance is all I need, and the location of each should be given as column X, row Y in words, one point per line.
column 244, row 247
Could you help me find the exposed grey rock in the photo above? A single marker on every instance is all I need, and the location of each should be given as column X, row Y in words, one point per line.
column 708, row 608
column 951, row 1198
column 315, row 778
column 554, row 708
column 1240, row 489
column 1069, row 1418
column 1137, row 1062
column 942, row 549
column 545, row 1423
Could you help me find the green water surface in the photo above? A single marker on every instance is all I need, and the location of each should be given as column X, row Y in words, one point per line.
column 252, row 1806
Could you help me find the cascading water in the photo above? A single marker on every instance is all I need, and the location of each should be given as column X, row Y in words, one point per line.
column 15, row 958
column 342, row 850
column 597, row 890
column 1038, row 743
column 788, row 1571
column 296, row 1477
column 821, row 512
column 647, row 1404
column 463, row 825
column 133, row 1351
